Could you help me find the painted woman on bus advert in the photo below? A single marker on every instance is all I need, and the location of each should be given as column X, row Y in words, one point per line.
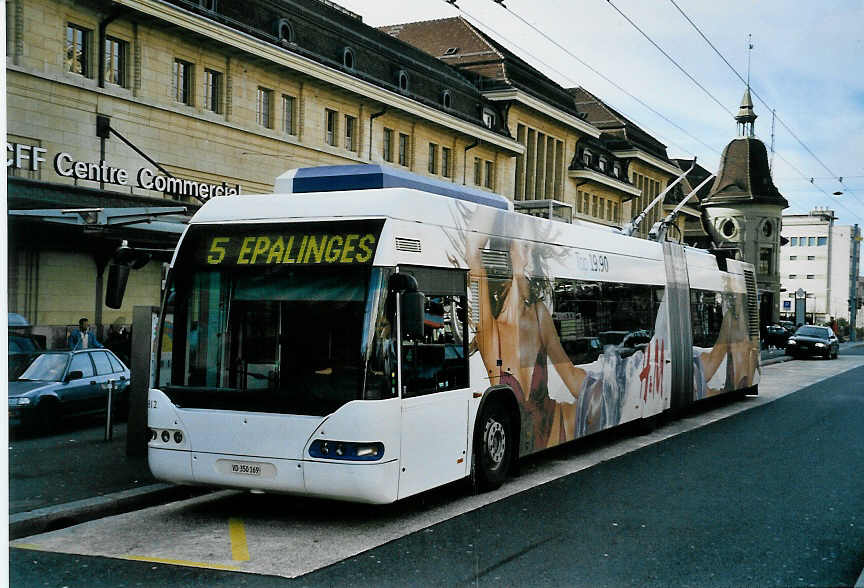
column 517, row 340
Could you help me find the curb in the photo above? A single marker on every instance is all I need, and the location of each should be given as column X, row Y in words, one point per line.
column 51, row 518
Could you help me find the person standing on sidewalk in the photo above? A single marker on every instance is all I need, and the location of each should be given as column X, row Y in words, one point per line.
column 83, row 337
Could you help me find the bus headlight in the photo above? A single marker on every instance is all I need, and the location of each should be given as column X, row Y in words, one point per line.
column 820, row 345
column 346, row 450
column 792, row 342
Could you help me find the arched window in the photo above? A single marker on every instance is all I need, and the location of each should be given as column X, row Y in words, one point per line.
column 447, row 99
column 284, row 31
column 403, row 80
column 348, row 58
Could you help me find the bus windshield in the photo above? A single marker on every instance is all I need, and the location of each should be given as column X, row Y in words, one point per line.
column 293, row 340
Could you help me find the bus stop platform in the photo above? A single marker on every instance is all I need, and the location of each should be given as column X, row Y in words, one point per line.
column 75, row 475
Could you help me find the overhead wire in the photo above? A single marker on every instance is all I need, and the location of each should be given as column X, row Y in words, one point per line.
column 640, row 101
column 587, row 66
column 758, row 97
column 670, row 58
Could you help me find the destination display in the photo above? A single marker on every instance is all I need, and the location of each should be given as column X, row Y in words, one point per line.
column 268, row 246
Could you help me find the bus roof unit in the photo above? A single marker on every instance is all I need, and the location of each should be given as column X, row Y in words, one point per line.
column 337, row 178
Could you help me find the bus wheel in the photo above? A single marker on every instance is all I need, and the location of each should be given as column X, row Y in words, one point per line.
column 493, row 447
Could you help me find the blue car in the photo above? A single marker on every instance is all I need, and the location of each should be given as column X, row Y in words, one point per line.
column 60, row 384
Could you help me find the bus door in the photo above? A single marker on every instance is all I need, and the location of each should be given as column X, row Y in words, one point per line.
column 434, row 385
column 680, row 335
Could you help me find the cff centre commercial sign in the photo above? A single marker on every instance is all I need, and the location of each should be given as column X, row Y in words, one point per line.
column 29, row 157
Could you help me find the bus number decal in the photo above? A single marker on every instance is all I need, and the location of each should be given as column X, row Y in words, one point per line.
column 593, row 263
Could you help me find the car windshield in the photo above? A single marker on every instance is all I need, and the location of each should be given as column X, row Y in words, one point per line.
column 820, row 332
column 47, row 367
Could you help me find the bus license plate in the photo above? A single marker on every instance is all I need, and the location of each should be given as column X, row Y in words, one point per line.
column 245, row 469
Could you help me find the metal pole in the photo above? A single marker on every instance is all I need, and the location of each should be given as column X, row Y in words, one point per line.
column 109, row 430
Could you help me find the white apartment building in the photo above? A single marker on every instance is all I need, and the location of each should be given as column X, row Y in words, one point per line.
column 823, row 260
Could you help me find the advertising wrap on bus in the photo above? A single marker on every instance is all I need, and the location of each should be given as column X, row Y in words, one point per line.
column 370, row 360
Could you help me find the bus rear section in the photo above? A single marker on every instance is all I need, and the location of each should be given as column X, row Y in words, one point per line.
column 275, row 367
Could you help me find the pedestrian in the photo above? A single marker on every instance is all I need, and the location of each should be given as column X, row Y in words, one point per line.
column 83, row 337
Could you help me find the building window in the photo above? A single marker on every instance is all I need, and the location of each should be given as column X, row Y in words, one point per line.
column 210, row 5
column 350, row 133
column 765, row 255
column 601, row 207
column 594, row 205
column 793, row 241
column 403, row 149
column 602, row 164
column 821, row 241
column 793, row 257
column 264, row 108
column 478, row 171
column 388, row 145
column 348, row 58
column 330, row 125
column 489, row 118
column 579, row 201
column 616, row 213
column 490, row 175
column 811, row 257
column 403, row 81
column 116, row 56
column 810, row 276
column 78, row 49
column 767, row 229
column 793, row 276
column 285, row 32
column 288, row 115
column 609, row 210
column 445, row 162
column 811, row 241
column 616, row 170
column 433, row 158
column 585, row 207
column 586, row 158
column 183, row 81
column 213, row 91
column 728, row 229
column 447, row 99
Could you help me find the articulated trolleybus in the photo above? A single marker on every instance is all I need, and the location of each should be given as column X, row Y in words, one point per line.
column 366, row 334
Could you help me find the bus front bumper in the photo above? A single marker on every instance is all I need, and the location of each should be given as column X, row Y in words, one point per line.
column 374, row 483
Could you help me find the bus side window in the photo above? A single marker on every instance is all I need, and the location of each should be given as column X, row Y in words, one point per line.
column 439, row 361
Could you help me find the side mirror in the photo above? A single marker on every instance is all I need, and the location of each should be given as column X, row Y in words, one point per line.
column 412, row 314
column 124, row 259
column 118, row 275
column 74, row 375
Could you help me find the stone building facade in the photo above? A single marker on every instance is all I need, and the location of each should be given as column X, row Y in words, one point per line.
column 223, row 95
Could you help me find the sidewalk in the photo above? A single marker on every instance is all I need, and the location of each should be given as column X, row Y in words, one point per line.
column 75, row 476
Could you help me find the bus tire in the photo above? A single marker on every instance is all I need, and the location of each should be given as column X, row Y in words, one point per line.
column 493, row 447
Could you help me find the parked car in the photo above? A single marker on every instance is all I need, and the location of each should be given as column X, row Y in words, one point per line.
column 23, row 348
column 60, row 384
column 776, row 336
column 788, row 325
column 813, row 340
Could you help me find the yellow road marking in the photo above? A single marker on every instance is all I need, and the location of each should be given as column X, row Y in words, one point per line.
column 239, row 551
column 177, row 562
column 28, row 546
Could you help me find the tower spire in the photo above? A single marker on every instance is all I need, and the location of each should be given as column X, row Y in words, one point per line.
column 746, row 117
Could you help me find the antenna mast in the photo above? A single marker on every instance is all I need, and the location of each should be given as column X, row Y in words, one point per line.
column 771, row 161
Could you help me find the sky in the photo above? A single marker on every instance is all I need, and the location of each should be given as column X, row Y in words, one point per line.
column 807, row 63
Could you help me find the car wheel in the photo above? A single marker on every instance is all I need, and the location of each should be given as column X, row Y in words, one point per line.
column 493, row 447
